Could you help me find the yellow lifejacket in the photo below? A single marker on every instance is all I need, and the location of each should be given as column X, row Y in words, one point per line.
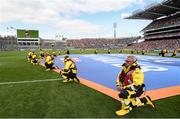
column 49, row 60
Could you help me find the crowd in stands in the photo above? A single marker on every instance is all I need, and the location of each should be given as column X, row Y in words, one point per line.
column 8, row 43
column 169, row 44
column 164, row 22
column 163, row 35
column 102, row 43
column 60, row 45
column 89, row 43
column 48, row 44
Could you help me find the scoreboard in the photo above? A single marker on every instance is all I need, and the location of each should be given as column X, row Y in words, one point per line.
column 22, row 33
column 28, row 39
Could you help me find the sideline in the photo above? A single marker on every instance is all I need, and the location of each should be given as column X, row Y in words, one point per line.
column 33, row 81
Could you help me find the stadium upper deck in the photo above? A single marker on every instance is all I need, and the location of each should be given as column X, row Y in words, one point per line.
column 157, row 10
column 164, row 28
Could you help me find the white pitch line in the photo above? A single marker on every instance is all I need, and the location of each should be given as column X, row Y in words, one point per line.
column 33, row 81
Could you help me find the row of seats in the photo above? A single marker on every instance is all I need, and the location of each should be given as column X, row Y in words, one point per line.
column 163, row 35
column 109, row 43
column 165, row 22
column 169, row 44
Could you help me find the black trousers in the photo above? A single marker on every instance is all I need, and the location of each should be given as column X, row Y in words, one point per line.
column 49, row 66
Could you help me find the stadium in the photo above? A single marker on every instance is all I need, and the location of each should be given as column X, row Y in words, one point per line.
column 30, row 89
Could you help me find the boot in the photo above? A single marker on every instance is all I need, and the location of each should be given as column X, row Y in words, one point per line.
column 76, row 80
column 123, row 111
column 70, row 80
column 48, row 69
column 149, row 102
column 139, row 103
column 65, row 80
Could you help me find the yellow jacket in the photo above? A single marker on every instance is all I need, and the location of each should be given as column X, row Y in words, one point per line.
column 174, row 52
column 130, row 76
column 30, row 53
column 49, row 60
column 69, row 65
column 41, row 52
column 34, row 56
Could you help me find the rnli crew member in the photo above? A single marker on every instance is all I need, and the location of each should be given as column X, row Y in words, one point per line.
column 34, row 59
column 59, row 53
column 29, row 56
column 41, row 53
column 67, row 52
column 49, row 62
column 132, row 52
column 163, row 52
column 174, row 53
column 130, row 83
column 95, row 51
column 143, row 52
column 69, row 72
column 54, row 53
column 109, row 51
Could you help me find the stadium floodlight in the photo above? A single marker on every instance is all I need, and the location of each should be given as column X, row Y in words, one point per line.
column 114, row 26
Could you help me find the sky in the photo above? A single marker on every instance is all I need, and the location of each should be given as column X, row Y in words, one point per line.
column 72, row 18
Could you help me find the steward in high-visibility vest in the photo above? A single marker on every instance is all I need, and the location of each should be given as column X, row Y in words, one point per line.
column 69, row 72
column 130, row 83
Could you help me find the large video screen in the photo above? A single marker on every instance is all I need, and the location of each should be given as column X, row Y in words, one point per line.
column 22, row 33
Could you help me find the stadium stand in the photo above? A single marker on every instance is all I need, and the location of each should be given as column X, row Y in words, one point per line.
column 164, row 30
column 170, row 21
column 52, row 44
column 101, row 43
column 157, row 44
column 8, row 43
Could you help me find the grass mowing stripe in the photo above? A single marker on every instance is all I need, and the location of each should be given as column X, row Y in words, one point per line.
column 34, row 81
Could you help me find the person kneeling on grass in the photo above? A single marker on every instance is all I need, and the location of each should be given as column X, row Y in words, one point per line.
column 49, row 62
column 29, row 56
column 69, row 72
column 174, row 53
column 41, row 53
column 34, row 59
column 130, row 83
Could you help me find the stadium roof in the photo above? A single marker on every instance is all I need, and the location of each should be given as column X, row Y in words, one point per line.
column 157, row 10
